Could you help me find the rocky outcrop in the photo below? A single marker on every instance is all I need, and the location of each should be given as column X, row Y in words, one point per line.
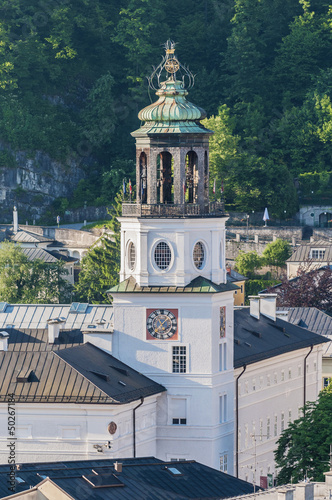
column 33, row 183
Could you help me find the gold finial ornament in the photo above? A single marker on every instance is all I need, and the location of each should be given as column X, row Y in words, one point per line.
column 171, row 65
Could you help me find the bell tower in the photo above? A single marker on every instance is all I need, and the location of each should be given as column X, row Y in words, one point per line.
column 173, row 307
column 173, row 232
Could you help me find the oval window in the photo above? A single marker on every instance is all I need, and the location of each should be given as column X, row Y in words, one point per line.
column 131, row 256
column 162, row 255
column 199, row 255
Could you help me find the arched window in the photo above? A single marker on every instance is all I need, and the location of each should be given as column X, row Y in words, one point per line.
column 324, row 219
column 206, row 176
column 191, row 177
column 143, row 177
column 165, row 181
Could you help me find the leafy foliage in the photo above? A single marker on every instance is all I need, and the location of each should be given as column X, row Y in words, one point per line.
column 254, row 286
column 303, row 448
column 248, row 262
column 308, row 289
column 276, row 253
column 72, row 79
column 100, row 267
column 31, row 282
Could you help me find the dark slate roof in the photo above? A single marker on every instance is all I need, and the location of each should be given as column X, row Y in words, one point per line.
column 61, row 256
column 120, row 382
column 256, row 340
column 197, row 285
column 67, row 371
column 234, row 276
column 140, row 479
column 302, row 253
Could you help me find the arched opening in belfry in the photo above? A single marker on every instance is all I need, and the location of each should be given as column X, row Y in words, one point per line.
column 143, row 177
column 191, row 177
column 206, row 176
column 165, row 166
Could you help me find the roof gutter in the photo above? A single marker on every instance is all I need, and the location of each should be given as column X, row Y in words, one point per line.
column 237, row 421
column 305, row 378
column 134, row 426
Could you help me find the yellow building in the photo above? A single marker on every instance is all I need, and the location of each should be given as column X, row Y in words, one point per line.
column 239, row 280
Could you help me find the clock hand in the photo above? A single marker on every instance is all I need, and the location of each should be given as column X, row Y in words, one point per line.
column 164, row 322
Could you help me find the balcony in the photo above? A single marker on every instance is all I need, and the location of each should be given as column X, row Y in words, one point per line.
column 212, row 209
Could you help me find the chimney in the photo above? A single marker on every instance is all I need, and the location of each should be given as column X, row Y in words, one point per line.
column 254, row 306
column 304, row 491
column 4, row 341
column 268, row 305
column 118, row 466
column 15, row 220
column 228, row 269
column 53, row 329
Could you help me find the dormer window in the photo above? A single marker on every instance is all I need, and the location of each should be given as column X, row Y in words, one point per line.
column 317, row 253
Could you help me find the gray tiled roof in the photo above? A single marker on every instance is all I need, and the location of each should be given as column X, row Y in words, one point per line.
column 23, row 236
column 46, row 255
column 141, row 479
column 39, row 253
column 66, row 371
column 36, row 315
column 57, row 373
column 311, row 318
column 256, row 340
column 302, row 253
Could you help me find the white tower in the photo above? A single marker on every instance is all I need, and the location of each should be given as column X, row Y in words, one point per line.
column 173, row 309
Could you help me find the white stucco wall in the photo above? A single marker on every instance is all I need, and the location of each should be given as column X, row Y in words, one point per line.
column 52, row 432
column 204, row 437
column 268, row 389
column 181, row 235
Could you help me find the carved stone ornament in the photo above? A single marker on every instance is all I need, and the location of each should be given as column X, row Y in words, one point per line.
column 112, row 427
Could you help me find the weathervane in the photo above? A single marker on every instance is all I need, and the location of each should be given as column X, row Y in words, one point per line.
column 172, row 66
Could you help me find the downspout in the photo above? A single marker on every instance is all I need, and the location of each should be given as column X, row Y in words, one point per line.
column 134, row 426
column 305, row 378
column 237, row 421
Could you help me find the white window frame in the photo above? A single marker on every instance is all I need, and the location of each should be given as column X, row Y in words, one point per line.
column 170, row 417
column 187, row 359
column 223, row 462
column 319, row 251
column 223, row 408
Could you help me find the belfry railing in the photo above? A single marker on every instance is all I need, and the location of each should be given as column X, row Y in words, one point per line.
column 211, row 209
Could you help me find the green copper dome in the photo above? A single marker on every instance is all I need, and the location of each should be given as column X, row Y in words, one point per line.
column 171, row 105
column 172, row 113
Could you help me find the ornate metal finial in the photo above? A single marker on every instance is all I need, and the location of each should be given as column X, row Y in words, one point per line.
column 171, row 65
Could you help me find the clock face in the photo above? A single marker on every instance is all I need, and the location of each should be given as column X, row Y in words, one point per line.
column 161, row 324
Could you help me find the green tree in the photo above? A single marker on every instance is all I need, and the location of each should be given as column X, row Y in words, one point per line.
column 248, row 262
column 276, row 253
column 100, row 267
column 303, row 448
column 31, row 282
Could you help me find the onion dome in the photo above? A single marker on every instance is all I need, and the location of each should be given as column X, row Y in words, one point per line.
column 172, row 113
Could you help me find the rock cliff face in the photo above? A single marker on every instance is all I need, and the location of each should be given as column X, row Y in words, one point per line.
column 33, row 183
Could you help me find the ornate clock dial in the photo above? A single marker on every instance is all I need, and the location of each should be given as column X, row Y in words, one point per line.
column 161, row 324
